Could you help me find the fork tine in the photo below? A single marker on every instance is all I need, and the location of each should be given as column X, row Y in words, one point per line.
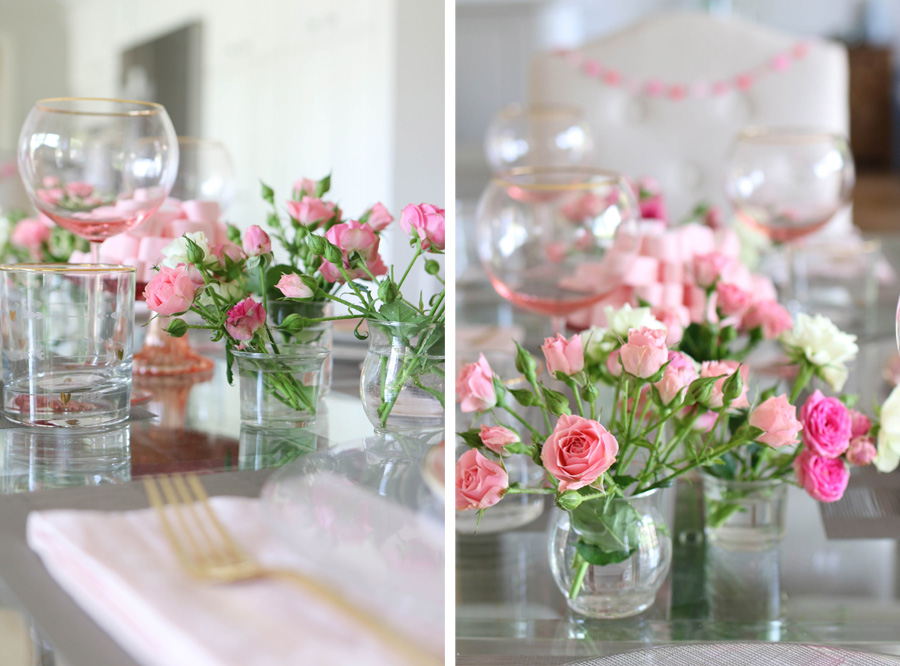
column 156, row 501
column 215, row 548
column 200, row 493
column 201, row 557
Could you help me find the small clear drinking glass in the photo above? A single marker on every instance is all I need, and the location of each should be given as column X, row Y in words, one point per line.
column 744, row 515
column 66, row 340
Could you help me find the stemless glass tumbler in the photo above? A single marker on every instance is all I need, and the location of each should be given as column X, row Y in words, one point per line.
column 66, row 339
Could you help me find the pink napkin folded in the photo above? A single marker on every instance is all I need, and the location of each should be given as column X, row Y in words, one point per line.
column 120, row 569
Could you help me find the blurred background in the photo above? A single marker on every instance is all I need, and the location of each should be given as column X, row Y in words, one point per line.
column 292, row 88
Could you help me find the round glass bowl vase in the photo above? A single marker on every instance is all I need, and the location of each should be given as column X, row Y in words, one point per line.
column 744, row 515
column 280, row 390
column 639, row 553
column 402, row 380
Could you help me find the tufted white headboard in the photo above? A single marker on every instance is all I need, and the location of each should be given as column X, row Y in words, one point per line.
column 683, row 143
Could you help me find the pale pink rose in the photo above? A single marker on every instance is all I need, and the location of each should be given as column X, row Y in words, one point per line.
column 825, row 479
column 374, row 263
column 653, row 208
column 306, row 186
column 861, row 451
column 826, row 425
column 227, row 249
column 475, row 386
column 777, row 417
column 705, row 422
column 578, row 451
column 859, row 423
column 731, row 300
column 351, row 236
column 645, row 352
column 709, row 267
column 379, row 217
column 256, row 241
column 613, row 363
column 428, row 223
column 586, row 207
column 725, row 369
column 675, row 320
column 52, row 196
column 245, row 319
column 194, row 274
column 292, row 286
column 772, row 317
column 496, row 438
column 79, row 189
column 171, row 291
column 310, row 210
column 565, row 356
column 678, row 375
column 480, row 482
column 31, row 234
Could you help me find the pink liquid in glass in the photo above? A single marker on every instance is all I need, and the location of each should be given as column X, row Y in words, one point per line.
column 101, row 228
column 783, row 230
column 545, row 296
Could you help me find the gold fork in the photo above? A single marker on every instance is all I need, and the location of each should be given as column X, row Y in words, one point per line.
column 207, row 551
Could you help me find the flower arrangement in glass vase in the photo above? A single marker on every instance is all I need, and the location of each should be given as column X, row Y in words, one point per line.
column 403, row 376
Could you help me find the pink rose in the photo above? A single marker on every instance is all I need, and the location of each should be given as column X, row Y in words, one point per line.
column 292, row 286
column 772, row 317
column 825, row 479
column 709, row 267
column 244, row 319
column 171, row 291
column 678, row 375
column 565, row 356
column 826, row 425
column 306, row 186
column 614, row 363
column 227, row 249
column 31, row 234
column 256, row 241
column 50, row 181
column 578, row 451
column 725, row 369
column 586, row 207
column 480, row 482
column 859, row 423
column 674, row 319
column 374, row 263
column 351, row 236
column 732, row 300
column 713, row 218
column 428, row 223
column 79, row 189
column 778, row 419
column 379, row 217
column 475, row 386
column 861, row 451
column 645, row 352
column 653, row 208
column 310, row 210
column 52, row 196
column 497, row 437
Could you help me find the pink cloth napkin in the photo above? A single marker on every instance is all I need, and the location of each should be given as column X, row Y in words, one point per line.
column 120, row 569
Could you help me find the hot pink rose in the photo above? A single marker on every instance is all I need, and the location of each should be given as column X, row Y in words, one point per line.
column 31, row 233
column 709, row 267
column 859, row 423
column 428, row 223
column 565, row 356
column 613, row 363
column 861, row 451
column 732, row 300
column 310, row 209
column 826, row 425
column 725, row 369
column 171, row 291
column 351, row 236
column 245, row 318
column 645, row 352
column 292, row 286
column 777, row 417
column 475, row 386
column 306, row 186
column 79, row 189
column 256, row 241
column 496, row 438
column 772, row 317
column 678, row 375
column 825, row 479
column 379, row 217
column 653, row 208
column 480, row 482
column 578, row 451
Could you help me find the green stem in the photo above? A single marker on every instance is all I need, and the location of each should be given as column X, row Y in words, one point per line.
column 581, row 566
column 409, row 268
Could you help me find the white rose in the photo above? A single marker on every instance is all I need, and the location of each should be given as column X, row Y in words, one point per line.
column 626, row 318
column 176, row 252
column 824, row 345
column 597, row 344
column 228, row 291
column 889, row 435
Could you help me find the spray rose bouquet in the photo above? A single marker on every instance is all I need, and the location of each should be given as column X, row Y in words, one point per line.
column 36, row 239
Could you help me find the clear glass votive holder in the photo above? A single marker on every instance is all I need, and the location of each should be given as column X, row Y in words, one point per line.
column 66, row 343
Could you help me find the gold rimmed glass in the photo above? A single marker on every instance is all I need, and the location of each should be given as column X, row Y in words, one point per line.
column 97, row 166
column 555, row 240
column 540, row 135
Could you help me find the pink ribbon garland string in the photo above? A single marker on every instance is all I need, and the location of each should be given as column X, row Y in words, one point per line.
column 655, row 87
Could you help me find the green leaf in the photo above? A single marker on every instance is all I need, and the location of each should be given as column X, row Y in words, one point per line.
column 400, row 311
column 623, row 480
column 525, row 397
column 557, row 403
column 612, row 526
column 323, row 186
column 472, row 438
column 268, row 194
column 229, row 361
column 595, row 555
